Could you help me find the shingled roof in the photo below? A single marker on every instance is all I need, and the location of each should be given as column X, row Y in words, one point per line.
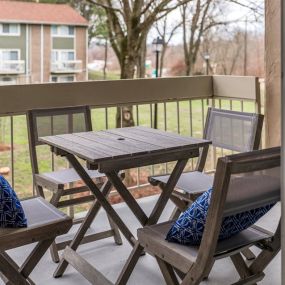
column 39, row 13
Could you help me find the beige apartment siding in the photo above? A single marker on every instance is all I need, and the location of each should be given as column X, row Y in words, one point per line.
column 80, row 45
column 47, row 53
column 35, row 53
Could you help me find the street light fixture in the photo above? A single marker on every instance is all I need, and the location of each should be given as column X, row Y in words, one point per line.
column 157, row 46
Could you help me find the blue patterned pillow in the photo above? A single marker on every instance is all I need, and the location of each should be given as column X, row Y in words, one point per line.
column 189, row 227
column 11, row 212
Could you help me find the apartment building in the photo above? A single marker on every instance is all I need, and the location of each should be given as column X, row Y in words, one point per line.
column 42, row 43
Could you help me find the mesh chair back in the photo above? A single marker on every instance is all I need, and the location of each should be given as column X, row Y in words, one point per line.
column 254, row 182
column 46, row 122
column 237, row 131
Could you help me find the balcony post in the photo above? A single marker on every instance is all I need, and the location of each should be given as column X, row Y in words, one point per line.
column 272, row 72
column 282, row 59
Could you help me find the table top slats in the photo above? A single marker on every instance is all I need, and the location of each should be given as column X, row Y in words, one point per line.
column 128, row 146
column 154, row 139
column 171, row 134
column 93, row 145
column 125, row 143
column 68, row 146
column 145, row 146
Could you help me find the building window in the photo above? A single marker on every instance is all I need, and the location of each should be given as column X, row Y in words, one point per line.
column 62, row 78
column 62, row 55
column 62, row 31
column 9, row 55
column 9, row 29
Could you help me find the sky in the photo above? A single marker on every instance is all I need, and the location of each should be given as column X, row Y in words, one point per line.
column 232, row 12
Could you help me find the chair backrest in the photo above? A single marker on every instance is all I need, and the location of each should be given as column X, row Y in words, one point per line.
column 237, row 131
column 55, row 121
column 242, row 182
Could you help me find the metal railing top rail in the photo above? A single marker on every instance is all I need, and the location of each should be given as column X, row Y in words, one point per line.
column 17, row 99
column 238, row 87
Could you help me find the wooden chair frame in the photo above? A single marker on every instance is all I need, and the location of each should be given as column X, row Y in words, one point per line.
column 193, row 271
column 60, row 190
column 182, row 200
column 43, row 234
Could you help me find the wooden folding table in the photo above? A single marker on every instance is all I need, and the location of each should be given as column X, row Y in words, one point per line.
column 110, row 152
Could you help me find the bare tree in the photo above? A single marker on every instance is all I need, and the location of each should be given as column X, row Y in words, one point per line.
column 199, row 16
column 129, row 22
column 229, row 52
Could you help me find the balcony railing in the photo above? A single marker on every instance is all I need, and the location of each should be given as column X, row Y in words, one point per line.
column 12, row 67
column 69, row 66
column 182, row 107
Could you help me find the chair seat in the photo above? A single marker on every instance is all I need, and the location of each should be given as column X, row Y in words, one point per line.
column 183, row 256
column 194, row 182
column 58, row 179
column 44, row 222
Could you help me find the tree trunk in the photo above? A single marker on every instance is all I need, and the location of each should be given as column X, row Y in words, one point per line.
column 105, row 59
column 141, row 62
column 188, row 67
column 124, row 117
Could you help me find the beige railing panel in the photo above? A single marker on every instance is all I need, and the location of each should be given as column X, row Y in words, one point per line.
column 240, row 87
column 18, row 99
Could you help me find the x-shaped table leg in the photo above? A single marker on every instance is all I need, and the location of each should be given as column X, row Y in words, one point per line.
column 153, row 219
column 101, row 196
column 131, row 202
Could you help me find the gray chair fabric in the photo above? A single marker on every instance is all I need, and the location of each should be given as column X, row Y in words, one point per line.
column 189, row 182
column 44, row 220
column 231, row 130
column 253, row 190
column 62, row 177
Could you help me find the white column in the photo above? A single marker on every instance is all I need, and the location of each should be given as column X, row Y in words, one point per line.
column 42, row 53
column 283, row 140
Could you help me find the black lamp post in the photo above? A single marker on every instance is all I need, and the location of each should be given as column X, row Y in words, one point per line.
column 157, row 46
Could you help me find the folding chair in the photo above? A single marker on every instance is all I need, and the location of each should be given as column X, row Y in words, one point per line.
column 230, row 130
column 242, row 182
column 63, row 183
column 45, row 223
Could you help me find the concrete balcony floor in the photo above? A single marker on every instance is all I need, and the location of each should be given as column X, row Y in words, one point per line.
column 110, row 258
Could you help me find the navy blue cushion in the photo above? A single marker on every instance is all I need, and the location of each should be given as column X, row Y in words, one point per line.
column 11, row 212
column 189, row 227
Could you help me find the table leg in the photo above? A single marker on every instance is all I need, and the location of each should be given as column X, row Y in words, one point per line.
column 154, row 216
column 128, row 197
column 90, row 216
column 130, row 264
column 101, row 198
column 167, row 189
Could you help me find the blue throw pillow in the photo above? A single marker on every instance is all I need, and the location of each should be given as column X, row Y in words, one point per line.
column 189, row 227
column 11, row 212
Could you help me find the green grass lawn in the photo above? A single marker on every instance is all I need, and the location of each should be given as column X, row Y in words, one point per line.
column 98, row 75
